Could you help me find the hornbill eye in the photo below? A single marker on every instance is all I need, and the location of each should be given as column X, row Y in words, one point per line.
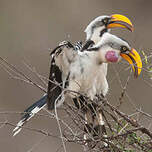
column 105, row 20
column 123, row 49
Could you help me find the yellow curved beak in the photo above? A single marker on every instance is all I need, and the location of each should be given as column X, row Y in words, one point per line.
column 118, row 20
column 134, row 59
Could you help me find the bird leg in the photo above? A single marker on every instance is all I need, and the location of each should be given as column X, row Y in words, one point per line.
column 99, row 128
column 94, row 123
column 88, row 128
column 99, row 124
column 98, row 120
column 81, row 103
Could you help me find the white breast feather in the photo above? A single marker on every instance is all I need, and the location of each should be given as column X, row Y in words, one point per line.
column 92, row 80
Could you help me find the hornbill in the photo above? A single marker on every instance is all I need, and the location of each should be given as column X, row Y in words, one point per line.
column 88, row 75
column 65, row 54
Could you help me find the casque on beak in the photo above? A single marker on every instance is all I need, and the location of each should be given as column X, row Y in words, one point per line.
column 118, row 20
column 134, row 59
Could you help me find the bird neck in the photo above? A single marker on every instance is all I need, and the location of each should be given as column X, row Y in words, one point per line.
column 96, row 35
column 95, row 57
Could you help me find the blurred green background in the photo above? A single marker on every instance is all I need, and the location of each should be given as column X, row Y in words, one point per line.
column 29, row 27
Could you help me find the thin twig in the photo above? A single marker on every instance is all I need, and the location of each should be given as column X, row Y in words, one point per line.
column 60, row 130
column 21, row 73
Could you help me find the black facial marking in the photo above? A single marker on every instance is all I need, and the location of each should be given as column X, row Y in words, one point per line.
column 124, row 49
column 102, row 32
column 105, row 21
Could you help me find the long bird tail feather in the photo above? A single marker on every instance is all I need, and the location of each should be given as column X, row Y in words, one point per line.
column 29, row 113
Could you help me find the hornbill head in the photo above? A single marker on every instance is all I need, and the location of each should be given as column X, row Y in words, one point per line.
column 112, row 48
column 102, row 24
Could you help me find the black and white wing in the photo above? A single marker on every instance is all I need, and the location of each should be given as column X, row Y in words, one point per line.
column 38, row 105
column 54, row 85
column 59, row 73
